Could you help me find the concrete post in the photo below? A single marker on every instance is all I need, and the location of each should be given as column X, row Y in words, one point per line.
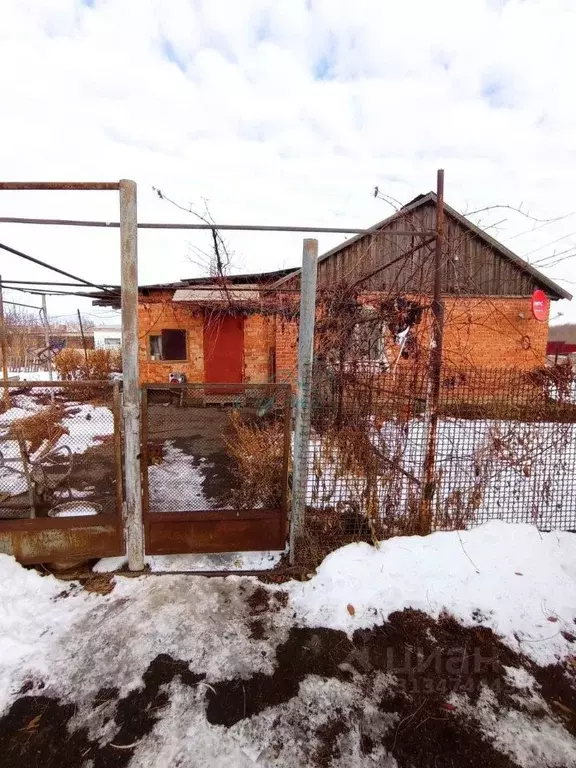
column 131, row 390
column 303, row 389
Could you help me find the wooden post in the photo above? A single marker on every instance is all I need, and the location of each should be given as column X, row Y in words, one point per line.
column 131, row 390
column 435, row 368
column 303, row 390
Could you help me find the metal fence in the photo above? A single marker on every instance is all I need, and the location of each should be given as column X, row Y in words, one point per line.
column 60, row 470
column 505, row 449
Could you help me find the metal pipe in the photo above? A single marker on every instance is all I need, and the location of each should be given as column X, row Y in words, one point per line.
column 131, row 400
column 49, row 266
column 230, row 227
column 435, row 363
column 61, row 185
column 303, row 390
column 42, row 282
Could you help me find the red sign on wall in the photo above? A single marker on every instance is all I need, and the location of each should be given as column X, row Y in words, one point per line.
column 540, row 304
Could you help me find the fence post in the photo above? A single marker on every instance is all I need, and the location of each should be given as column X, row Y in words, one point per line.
column 303, row 389
column 131, row 401
column 435, row 364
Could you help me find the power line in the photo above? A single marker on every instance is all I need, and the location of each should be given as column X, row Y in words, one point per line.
column 44, row 282
column 211, row 227
column 54, row 269
column 17, row 304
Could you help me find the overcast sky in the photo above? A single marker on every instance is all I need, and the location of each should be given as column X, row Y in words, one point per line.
column 285, row 112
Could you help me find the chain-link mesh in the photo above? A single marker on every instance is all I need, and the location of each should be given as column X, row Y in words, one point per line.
column 505, row 449
column 210, row 447
column 58, row 452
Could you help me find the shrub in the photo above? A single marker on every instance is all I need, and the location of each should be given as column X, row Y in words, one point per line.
column 72, row 365
column 257, row 451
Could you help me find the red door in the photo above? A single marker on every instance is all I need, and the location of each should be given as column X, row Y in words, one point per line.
column 223, row 349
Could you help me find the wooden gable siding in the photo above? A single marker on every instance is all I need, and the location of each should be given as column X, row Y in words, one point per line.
column 472, row 267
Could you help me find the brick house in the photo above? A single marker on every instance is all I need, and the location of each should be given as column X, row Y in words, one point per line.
column 246, row 329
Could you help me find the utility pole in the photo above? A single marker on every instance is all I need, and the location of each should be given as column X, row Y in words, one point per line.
column 5, row 394
column 435, row 367
column 84, row 343
column 303, row 389
column 47, row 338
column 131, row 390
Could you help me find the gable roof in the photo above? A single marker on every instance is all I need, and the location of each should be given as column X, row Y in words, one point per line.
column 544, row 282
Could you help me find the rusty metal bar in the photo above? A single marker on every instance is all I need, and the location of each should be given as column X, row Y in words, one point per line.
column 435, row 363
column 144, row 462
column 59, row 185
column 229, row 227
column 131, row 405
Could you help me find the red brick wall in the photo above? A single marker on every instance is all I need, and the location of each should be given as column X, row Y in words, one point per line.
column 258, row 342
column 161, row 314
column 493, row 333
column 286, row 350
column 479, row 333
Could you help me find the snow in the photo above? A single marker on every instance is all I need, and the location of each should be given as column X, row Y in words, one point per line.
column 532, row 743
column 508, row 577
column 86, row 424
column 176, row 483
column 513, row 575
column 73, row 509
column 220, row 561
column 42, row 376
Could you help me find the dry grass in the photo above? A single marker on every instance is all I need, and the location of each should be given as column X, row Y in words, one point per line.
column 41, row 426
column 257, row 451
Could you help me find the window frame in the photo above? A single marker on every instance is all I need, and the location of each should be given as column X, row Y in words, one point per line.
column 162, row 359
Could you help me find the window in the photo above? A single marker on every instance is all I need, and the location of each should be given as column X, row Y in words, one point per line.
column 169, row 345
column 112, row 343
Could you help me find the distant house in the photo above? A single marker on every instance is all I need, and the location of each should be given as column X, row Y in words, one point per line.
column 237, row 330
column 561, row 340
column 107, row 337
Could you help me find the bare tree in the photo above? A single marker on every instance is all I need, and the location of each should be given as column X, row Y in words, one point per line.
column 217, row 262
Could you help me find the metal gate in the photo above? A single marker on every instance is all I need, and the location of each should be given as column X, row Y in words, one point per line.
column 60, row 471
column 214, row 463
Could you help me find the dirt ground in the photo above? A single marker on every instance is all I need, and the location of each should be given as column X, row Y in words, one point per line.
column 428, row 731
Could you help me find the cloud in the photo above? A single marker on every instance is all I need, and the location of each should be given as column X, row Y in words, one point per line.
column 282, row 112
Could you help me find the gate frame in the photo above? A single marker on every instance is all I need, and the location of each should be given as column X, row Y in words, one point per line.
column 213, row 523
